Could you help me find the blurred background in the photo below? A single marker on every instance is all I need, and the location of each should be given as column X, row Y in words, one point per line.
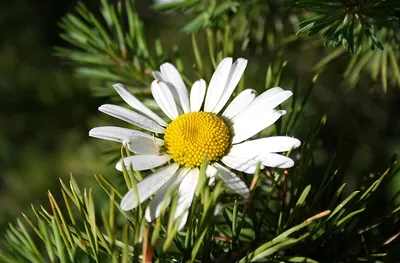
column 46, row 112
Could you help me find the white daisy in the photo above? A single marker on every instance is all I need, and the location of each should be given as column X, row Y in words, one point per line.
column 195, row 131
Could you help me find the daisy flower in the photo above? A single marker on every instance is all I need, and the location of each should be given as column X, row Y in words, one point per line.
column 199, row 126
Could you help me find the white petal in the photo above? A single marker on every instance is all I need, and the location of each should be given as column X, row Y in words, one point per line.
column 136, row 104
column 245, row 164
column 234, row 77
column 163, row 96
column 272, row 91
column 268, row 100
column 171, row 75
column 277, row 160
column 266, row 145
column 197, row 95
column 217, row 84
column 273, row 98
column 249, row 123
column 232, row 181
column 210, row 173
column 239, row 103
column 137, row 142
column 148, row 186
column 132, row 117
column 156, row 204
column 121, row 135
column 183, row 219
column 157, row 75
column 219, row 208
column 144, row 145
column 186, row 192
column 143, row 162
column 245, row 156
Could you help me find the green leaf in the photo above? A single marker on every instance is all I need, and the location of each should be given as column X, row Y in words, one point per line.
column 343, row 204
column 47, row 241
column 349, row 216
column 58, row 241
column 374, row 186
column 301, row 259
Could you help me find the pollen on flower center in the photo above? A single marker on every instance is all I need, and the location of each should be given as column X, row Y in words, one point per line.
column 195, row 135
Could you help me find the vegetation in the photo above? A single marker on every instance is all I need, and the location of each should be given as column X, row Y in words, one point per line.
column 340, row 203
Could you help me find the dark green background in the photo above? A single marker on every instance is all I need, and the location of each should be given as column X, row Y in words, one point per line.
column 45, row 112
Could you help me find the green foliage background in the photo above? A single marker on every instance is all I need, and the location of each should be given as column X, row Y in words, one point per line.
column 46, row 111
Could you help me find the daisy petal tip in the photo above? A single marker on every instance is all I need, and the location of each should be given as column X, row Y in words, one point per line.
column 95, row 132
column 164, row 98
column 224, row 65
column 104, row 108
column 157, row 75
column 118, row 86
column 197, row 95
column 227, row 59
column 242, row 62
column 277, row 88
column 297, row 143
column 91, row 131
column 289, row 163
column 245, row 194
column 128, row 202
column 183, row 220
column 126, row 207
column 167, row 64
column 118, row 166
column 147, row 215
column 293, row 143
column 288, row 93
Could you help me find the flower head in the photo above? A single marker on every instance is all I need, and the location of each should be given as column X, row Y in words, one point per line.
column 198, row 127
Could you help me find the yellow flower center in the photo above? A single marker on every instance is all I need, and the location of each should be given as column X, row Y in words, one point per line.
column 195, row 135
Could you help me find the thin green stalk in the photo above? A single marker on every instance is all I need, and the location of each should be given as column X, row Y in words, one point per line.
column 277, row 177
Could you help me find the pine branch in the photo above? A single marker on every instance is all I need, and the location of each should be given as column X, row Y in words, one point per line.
column 247, row 20
column 350, row 23
column 297, row 215
column 76, row 232
column 112, row 48
column 380, row 65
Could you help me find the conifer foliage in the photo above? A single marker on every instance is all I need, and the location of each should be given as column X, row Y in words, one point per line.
column 303, row 214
